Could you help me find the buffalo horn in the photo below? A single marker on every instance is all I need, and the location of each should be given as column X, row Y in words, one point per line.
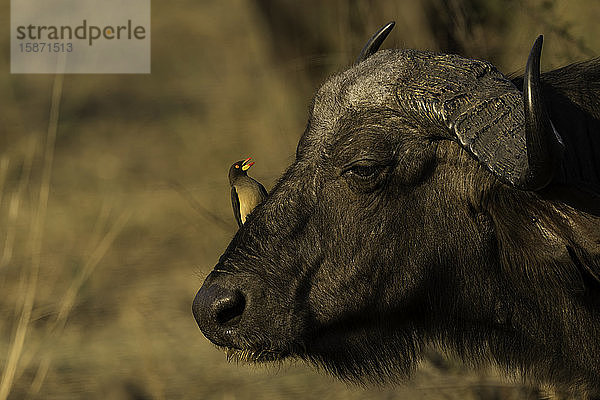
column 376, row 40
column 544, row 145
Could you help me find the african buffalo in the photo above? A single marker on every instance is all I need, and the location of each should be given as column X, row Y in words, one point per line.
column 432, row 202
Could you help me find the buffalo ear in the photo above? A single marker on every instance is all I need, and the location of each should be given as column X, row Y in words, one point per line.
column 376, row 40
column 512, row 135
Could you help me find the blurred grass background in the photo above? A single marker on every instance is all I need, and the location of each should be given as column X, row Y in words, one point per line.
column 113, row 213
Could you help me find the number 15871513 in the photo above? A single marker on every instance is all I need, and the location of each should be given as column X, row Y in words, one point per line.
column 43, row 47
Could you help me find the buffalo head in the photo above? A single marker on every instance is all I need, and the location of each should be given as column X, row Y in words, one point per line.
column 391, row 229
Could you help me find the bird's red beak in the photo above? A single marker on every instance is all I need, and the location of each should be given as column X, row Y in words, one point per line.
column 246, row 165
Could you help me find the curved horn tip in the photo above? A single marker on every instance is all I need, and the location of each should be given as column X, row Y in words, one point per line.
column 544, row 145
column 532, row 68
column 538, row 41
column 376, row 40
column 536, row 50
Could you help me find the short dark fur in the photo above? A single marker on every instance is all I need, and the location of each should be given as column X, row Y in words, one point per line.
column 383, row 238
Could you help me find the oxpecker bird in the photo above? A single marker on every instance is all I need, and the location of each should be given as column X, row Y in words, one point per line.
column 246, row 193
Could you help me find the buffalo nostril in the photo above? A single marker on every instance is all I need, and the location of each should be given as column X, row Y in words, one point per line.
column 217, row 310
column 229, row 309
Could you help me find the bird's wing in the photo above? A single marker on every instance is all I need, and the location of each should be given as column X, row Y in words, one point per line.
column 235, row 203
column 263, row 191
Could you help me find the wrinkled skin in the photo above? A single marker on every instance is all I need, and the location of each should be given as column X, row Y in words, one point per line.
column 384, row 236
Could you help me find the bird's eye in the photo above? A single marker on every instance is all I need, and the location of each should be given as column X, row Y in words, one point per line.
column 237, row 166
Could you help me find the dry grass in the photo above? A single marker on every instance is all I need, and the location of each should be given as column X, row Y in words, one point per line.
column 114, row 209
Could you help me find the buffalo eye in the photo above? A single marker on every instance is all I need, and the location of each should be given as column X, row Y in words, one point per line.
column 364, row 171
column 363, row 175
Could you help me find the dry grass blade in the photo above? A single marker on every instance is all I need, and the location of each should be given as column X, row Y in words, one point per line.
column 70, row 296
column 4, row 163
column 69, row 299
column 37, row 228
column 199, row 208
column 14, row 206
